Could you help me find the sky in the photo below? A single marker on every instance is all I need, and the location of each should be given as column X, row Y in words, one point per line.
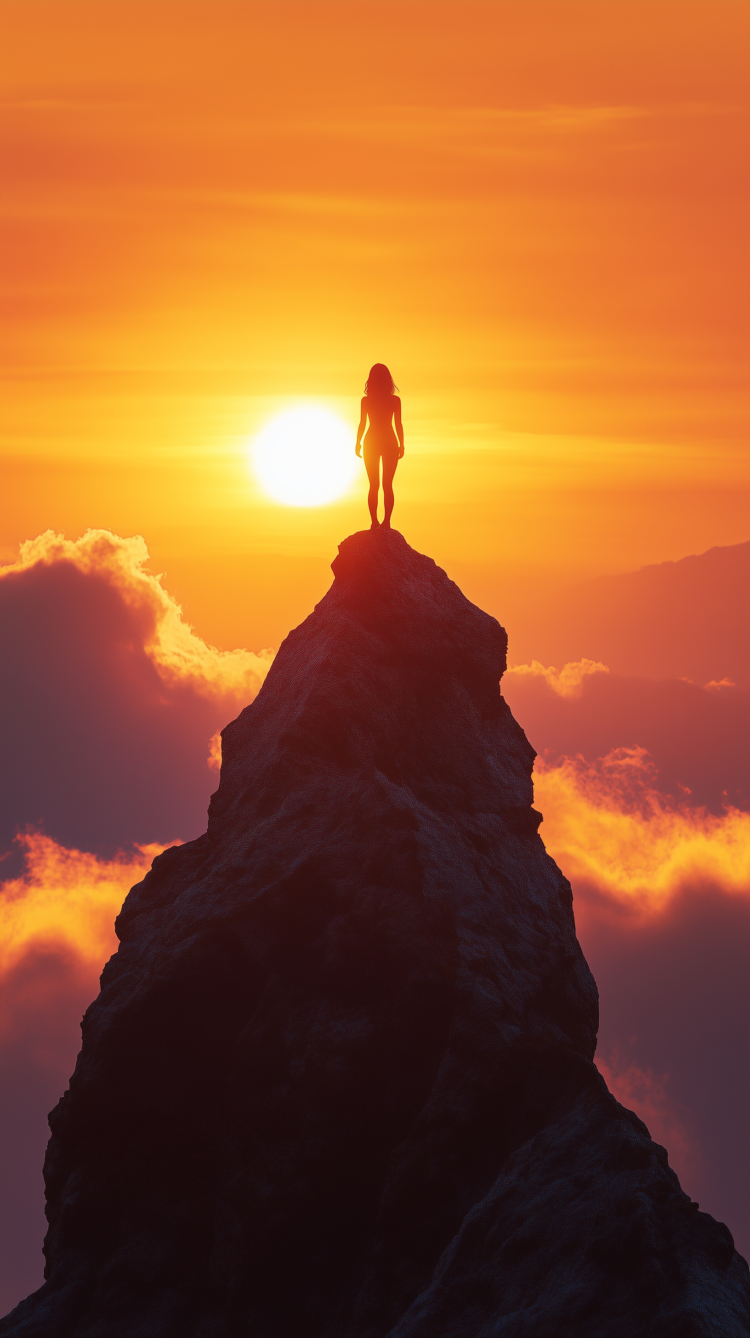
column 536, row 214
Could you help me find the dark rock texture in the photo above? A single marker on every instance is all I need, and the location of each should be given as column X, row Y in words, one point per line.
column 338, row 1082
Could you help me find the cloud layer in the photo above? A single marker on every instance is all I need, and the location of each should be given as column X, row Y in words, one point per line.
column 65, row 901
column 662, row 904
column 698, row 738
column 608, row 826
column 179, row 656
column 566, row 682
column 109, row 699
column 58, row 931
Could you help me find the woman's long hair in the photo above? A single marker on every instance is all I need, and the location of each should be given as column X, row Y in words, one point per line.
column 380, row 381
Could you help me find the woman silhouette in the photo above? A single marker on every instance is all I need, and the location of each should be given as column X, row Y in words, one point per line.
column 383, row 407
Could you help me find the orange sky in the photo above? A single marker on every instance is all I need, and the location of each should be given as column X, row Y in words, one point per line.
column 535, row 212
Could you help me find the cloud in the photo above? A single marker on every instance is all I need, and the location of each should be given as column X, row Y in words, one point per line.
column 698, row 739
column 170, row 643
column 214, row 751
column 567, row 683
column 66, row 900
column 58, row 931
column 675, row 999
column 661, row 891
column 608, row 826
column 108, row 697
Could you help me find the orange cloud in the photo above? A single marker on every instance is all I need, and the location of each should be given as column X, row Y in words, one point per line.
column 58, row 932
column 172, row 646
column 66, row 900
column 567, row 682
column 604, row 822
column 609, row 827
column 214, row 751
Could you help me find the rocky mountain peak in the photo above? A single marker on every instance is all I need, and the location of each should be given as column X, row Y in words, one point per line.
column 339, row 1079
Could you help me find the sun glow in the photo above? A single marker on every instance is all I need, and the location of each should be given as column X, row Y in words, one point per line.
column 305, row 457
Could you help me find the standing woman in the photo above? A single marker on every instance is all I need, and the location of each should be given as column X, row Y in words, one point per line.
column 382, row 406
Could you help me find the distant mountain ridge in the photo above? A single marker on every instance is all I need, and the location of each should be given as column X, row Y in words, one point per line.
column 682, row 619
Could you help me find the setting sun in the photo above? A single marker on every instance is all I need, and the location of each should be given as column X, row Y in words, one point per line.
column 305, row 457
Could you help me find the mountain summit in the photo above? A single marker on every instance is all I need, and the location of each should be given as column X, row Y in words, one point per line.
column 339, row 1079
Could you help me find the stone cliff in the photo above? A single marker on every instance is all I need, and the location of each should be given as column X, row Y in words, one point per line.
column 338, row 1082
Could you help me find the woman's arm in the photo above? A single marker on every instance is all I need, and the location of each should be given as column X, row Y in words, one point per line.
column 398, row 426
column 361, row 428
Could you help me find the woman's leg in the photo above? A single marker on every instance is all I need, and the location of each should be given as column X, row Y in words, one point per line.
column 372, row 465
column 389, row 469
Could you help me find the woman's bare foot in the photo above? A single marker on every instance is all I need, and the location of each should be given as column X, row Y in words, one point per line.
column 375, row 525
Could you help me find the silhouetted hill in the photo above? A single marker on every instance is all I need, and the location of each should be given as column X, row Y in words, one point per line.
column 339, row 1079
column 685, row 619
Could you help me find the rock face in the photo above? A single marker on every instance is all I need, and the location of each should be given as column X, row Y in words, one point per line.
column 338, row 1082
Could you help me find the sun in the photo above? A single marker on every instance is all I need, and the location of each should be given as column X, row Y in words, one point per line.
column 305, row 457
